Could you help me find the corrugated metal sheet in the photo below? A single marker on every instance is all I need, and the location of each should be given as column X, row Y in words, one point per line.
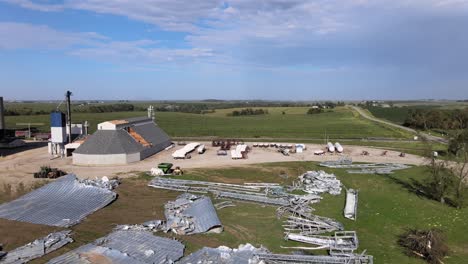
column 38, row 248
column 204, row 215
column 126, row 247
column 64, row 202
column 191, row 214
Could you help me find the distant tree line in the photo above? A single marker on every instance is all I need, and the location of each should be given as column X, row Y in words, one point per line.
column 24, row 111
column 248, row 112
column 199, row 107
column 106, row 108
column 437, row 119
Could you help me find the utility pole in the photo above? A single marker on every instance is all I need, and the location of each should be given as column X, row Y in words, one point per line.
column 67, row 97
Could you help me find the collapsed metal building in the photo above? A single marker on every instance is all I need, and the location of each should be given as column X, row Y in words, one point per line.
column 64, row 202
column 139, row 247
column 122, row 142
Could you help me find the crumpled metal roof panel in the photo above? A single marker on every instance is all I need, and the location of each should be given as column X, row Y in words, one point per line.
column 64, row 203
column 139, row 247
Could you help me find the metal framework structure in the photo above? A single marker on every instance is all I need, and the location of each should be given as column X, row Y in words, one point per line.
column 310, row 259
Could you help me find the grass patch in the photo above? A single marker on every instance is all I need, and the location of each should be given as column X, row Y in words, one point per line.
column 295, row 123
column 386, row 209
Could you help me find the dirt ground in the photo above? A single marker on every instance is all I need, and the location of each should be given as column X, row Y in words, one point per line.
column 19, row 167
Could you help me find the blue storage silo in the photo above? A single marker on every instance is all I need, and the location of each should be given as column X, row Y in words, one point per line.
column 57, row 127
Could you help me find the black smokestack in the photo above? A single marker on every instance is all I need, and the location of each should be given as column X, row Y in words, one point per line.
column 2, row 119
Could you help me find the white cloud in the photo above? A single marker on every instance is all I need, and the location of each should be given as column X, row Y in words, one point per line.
column 16, row 36
column 258, row 32
column 24, row 36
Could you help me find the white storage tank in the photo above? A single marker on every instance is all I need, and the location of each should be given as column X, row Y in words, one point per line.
column 338, row 147
column 330, row 147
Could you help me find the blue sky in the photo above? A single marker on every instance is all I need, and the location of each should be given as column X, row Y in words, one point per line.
column 239, row 49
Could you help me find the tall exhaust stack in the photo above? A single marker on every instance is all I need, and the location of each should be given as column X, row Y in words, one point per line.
column 67, row 96
column 2, row 119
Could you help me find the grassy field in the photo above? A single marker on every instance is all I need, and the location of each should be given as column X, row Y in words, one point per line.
column 295, row 123
column 385, row 209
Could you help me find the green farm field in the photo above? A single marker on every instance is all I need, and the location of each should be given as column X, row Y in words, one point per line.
column 386, row 208
column 340, row 123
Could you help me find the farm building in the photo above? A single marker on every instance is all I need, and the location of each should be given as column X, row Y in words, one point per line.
column 121, row 142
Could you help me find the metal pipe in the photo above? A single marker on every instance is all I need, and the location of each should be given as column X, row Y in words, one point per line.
column 67, row 95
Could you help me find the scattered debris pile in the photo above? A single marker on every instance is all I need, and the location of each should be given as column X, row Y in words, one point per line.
column 343, row 242
column 153, row 226
column 244, row 254
column 263, row 193
column 350, row 210
column 191, row 214
column 49, row 173
column 37, row 248
column 311, row 225
column 317, row 182
column 365, row 168
column 104, row 182
column 63, row 203
column 426, row 244
column 140, row 247
column 314, row 259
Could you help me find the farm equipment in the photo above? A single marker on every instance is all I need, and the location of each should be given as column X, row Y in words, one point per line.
column 221, row 152
column 48, row 172
column 165, row 167
column 402, row 155
column 178, row 171
column 365, row 153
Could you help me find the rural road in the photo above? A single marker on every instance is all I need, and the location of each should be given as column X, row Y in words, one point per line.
column 428, row 136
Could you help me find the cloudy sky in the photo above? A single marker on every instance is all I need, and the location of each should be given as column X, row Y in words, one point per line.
column 234, row 49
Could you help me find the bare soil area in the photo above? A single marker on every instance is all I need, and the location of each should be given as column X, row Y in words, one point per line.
column 20, row 167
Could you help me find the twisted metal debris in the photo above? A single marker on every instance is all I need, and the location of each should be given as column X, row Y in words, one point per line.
column 312, row 259
column 64, row 202
column 37, row 248
column 344, row 242
column 318, row 182
column 130, row 246
column 350, row 210
column 367, row 168
column 312, row 225
column 244, row 254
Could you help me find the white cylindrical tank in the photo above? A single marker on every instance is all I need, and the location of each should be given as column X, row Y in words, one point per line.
column 338, row 147
column 330, row 147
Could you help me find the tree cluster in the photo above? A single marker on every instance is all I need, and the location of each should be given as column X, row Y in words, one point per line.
column 248, row 112
column 447, row 182
column 105, row 108
column 437, row 119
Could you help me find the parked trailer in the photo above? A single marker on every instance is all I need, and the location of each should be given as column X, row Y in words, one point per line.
column 330, row 147
column 338, row 147
column 183, row 152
